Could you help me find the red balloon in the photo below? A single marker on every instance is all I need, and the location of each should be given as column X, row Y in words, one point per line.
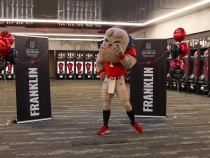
column 172, row 64
column 179, row 34
column 11, row 39
column 5, row 46
column 177, row 62
column 184, row 48
column 181, row 63
column 8, row 35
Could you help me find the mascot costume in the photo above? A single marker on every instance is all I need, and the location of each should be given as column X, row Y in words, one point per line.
column 116, row 54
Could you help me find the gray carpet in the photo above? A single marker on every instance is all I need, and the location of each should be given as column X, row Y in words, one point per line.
column 77, row 116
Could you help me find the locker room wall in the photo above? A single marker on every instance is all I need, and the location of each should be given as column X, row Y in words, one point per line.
column 72, row 45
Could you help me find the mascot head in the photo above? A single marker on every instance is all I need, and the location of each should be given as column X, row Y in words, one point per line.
column 112, row 37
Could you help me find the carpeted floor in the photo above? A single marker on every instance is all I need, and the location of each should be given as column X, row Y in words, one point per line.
column 77, row 116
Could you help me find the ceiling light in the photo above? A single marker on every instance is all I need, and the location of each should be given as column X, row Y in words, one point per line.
column 71, row 22
column 57, row 34
column 177, row 12
column 105, row 23
column 75, row 39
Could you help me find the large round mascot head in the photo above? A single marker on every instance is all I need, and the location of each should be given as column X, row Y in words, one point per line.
column 112, row 37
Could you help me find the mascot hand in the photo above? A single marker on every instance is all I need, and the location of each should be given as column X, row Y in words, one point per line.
column 118, row 49
column 102, row 76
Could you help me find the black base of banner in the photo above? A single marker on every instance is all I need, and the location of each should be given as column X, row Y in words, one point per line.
column 28, row 121
column 148, row 116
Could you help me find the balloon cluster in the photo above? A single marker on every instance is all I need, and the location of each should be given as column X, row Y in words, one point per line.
column 178, row 51
column 7, row 54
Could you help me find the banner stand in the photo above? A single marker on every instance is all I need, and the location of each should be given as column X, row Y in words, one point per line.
column 20, row 122
column 32, row 79
column 150, row 116
column 148, row 78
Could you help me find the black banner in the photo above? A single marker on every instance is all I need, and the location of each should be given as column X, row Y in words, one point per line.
column 148, row 78
column 32, row 79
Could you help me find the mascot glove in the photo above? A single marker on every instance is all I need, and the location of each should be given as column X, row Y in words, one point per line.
column 102, row 76
column 118, row 49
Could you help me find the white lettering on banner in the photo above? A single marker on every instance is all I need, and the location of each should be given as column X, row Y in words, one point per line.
column 148, row 52
column 148, row 90
column 33, row 91
column 32, row 52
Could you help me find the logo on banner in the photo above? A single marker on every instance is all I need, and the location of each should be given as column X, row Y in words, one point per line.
column 31, row 52
column 148, row 52
column 32, row 44
column 148, row 62
column 148, row 46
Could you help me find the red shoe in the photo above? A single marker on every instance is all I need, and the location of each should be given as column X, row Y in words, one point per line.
column 103, row 130
column 137, row 128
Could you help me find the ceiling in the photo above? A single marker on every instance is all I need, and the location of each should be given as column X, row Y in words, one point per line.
column 87, row 16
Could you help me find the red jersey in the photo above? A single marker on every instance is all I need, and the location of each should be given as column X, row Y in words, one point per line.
column 70, row 66
column 9, row 66
column 117, row 69
column 60, row 65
